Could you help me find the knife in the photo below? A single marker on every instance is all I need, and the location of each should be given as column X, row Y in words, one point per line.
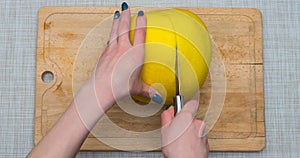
column 178, row 99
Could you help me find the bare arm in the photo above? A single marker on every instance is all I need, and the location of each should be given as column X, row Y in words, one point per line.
column 101, row 91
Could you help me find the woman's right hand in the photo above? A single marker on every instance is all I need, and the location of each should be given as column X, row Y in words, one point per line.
column 183, row 136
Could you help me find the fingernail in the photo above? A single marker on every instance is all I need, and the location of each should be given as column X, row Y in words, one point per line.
column 124, row 6
column 157, row 99
column 117, row 15
column 168, row 106
column 140, row 13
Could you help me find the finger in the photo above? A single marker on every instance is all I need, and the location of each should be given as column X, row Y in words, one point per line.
column 205, row 144
column 151, row 93
column 191, row 106
column 179, row 125
column 124, row 24
column 170, row 109
column 140, row 29
column 167, row 116
column 200, row 128
column 113, row 34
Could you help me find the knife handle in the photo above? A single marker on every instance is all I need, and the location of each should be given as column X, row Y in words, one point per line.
column 178, row 103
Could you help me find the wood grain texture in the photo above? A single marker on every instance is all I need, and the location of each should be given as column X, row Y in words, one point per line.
column 70, row 39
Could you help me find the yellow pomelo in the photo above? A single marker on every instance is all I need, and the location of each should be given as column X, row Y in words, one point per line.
column 165, row 30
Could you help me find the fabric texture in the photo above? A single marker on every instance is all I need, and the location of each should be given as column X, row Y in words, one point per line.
column 281, row 36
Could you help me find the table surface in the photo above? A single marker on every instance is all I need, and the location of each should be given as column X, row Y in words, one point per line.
column 281, row 36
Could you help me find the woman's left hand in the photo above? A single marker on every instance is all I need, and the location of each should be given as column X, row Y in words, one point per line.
column 117, row 73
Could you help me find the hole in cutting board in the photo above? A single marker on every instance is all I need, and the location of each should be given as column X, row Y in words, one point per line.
column 47, row 76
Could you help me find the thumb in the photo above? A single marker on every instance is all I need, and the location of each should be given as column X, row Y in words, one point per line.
column 151, row 93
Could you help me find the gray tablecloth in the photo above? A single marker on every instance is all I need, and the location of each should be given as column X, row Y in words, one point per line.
column 281, row 43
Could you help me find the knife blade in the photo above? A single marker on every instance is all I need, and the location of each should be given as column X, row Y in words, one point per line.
column 178, row 99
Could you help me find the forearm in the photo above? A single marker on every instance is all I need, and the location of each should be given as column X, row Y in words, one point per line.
column 67, row 135
column 64, row 139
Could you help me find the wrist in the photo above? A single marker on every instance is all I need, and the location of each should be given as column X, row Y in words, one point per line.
column 97, row 94
column 91, row 104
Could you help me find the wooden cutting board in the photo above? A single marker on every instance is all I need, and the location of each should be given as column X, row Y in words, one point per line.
column 70, row 39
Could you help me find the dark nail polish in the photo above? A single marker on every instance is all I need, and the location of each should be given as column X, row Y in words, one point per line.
column 140, row 13
column 124, row 6
column 117, row 15
column 168, row 106
column 157, row 99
